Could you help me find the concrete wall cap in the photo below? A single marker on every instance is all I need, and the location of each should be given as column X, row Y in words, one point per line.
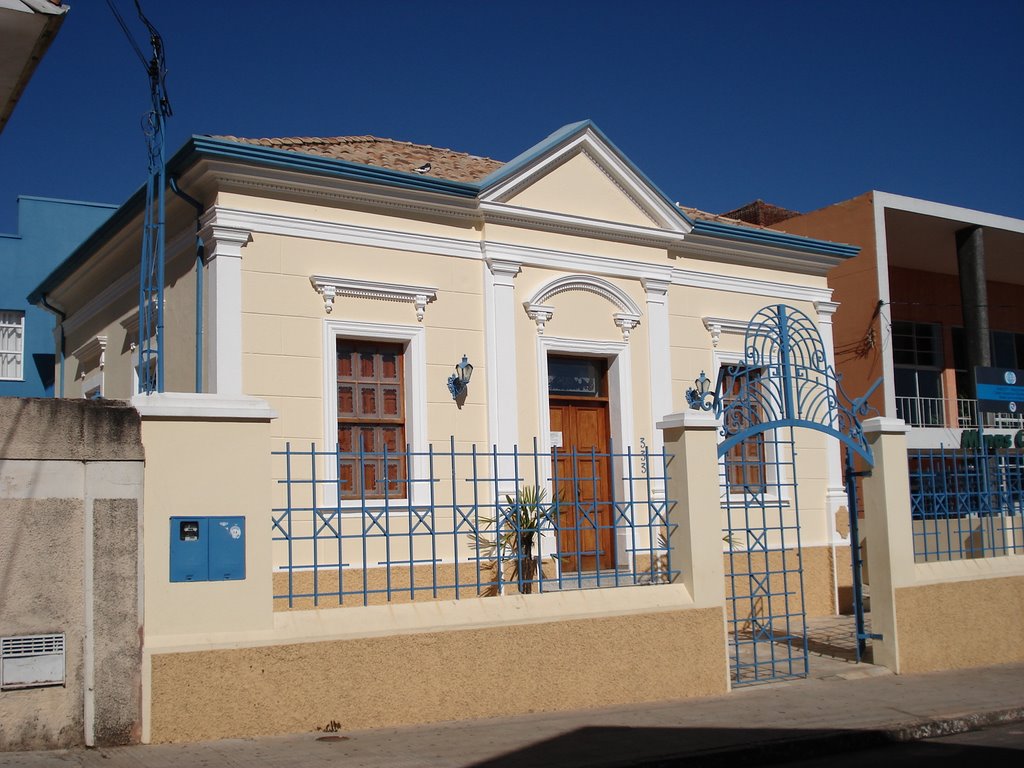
column 69, row 430
column 885, row 425
column 188, row 405
column 689, row 420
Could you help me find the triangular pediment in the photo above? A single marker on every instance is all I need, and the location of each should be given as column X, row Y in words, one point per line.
column 578, row 174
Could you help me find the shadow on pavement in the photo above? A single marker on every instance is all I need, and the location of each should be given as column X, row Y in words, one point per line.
column 619, row 747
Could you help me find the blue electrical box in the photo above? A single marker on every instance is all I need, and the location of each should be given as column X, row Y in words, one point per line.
column 227, row 548
column 207, row 548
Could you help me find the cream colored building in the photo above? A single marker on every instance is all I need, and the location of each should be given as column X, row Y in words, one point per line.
column 566, row 253
column 339, row 284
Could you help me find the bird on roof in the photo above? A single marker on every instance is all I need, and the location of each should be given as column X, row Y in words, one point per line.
column 425, row 168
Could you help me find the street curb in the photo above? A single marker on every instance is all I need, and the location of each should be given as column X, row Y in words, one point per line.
column 801, row 748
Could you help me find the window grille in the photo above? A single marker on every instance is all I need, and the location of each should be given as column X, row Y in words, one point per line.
column 12, row 344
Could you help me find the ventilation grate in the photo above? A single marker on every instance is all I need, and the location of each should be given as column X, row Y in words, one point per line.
column 31, row 661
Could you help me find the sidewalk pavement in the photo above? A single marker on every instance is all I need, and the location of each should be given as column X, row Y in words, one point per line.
column 846, row 707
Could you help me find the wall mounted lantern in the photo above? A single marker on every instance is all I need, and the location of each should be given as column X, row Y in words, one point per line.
column 458, row 382
column 700, row 397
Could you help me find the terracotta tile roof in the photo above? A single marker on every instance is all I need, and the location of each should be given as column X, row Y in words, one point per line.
column 762, row 213
column 387, row 153
column 696, row 213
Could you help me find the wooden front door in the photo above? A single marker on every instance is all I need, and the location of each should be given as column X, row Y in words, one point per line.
column 582, row 484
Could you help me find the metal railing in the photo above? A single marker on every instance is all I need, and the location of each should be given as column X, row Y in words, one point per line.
column 380, row 527
column 922, row 411
column 966, row 504
column 931, row 412
column 967, row 412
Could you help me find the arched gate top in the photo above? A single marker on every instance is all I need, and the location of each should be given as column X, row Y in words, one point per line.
column 784, row 380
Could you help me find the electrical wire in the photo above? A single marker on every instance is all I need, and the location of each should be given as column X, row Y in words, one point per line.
column 158, row 65
column 128, row 34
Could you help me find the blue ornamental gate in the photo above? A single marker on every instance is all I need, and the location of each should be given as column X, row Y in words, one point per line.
column 783, row 383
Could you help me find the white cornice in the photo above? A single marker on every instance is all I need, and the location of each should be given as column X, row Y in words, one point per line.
column 330, row 287
column 313, row 229
column 579, row 226
column 767, row 288
column 279, row 183
column 93, row 350
column 756, row 255
column 577, row 262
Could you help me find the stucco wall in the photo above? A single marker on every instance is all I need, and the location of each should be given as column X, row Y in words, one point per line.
column 370, row 682
column 70, row 494
column 960, row 624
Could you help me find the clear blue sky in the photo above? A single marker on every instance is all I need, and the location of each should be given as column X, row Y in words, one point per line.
column 800, row 103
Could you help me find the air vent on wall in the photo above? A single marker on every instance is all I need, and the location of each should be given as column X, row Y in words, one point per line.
column 31, row 661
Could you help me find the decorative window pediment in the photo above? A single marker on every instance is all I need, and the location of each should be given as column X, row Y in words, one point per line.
column 716, row 326
column 626, row 319
column 331, row 287
column 92, row 354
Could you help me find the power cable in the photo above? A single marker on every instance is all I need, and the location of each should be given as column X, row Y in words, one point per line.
column 128, row 34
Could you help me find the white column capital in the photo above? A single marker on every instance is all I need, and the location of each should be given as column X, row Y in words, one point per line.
column 825, row 310
column 503, row 271
column 656, row 288
column 223, row 239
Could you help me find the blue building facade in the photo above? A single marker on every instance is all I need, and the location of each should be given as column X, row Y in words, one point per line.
column 48, row 231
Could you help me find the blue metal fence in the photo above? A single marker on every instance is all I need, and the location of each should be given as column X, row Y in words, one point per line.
column 764, row 577
column 966, row 503
column 373, row 527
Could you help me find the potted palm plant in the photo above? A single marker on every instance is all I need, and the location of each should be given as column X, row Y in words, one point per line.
column 510, row 539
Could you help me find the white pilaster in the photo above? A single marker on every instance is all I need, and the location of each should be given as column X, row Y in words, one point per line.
column 660, row 365
column 502, row 375
column 835, row 493
column 223, row 307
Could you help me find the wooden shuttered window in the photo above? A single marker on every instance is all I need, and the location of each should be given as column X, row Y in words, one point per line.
column 745, row 461
column 371, row 419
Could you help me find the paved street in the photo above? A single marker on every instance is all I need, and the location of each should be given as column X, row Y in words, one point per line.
column 835, row 712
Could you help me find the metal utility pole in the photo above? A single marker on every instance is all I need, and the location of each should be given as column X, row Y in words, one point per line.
column 151, row 362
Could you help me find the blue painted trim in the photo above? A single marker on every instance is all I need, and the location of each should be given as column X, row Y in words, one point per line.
column 326, row 166
column 771, row 237
column 204, row 146
column 520, row 161
column 562, row 136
